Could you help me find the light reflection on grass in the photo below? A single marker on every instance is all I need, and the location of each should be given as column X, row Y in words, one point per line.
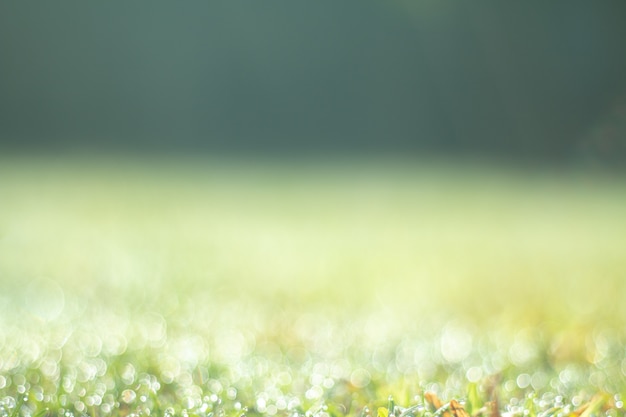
column 215, row 287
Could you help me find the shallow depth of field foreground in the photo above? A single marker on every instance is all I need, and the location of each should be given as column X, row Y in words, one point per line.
column 228, row 288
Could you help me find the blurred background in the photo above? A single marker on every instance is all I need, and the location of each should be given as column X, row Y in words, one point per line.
column 316, row 147
column 309, row 201
column 535, row 80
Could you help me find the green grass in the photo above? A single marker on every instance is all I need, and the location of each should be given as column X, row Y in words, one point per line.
column 222, row 288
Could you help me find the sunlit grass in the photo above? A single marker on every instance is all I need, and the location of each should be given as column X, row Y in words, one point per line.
column 206, row 286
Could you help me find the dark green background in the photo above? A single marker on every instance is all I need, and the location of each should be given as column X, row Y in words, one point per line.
column 531, row 78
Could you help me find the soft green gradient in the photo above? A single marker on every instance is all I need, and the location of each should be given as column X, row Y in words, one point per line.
column 453, row 235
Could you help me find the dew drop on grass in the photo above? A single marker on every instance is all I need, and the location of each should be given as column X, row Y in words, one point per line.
column 474, row 374
column 281, row 403
column 39, row 395
column 509, row 385
column 260, row 405
column 128, row 396
column 523, row 380
column 293, row 403
column 188, row 403
column 314, row 392
column 79, row 406
column 128, row 374
column 360, row 378
column 9, row 402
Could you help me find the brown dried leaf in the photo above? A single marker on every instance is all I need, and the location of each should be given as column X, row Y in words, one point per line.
column 435, row 402
column 457, row 409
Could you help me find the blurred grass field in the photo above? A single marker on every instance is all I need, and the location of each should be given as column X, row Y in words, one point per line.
column 138, row 286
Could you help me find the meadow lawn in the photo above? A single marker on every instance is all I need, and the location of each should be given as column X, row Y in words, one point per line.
column 223, row 287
